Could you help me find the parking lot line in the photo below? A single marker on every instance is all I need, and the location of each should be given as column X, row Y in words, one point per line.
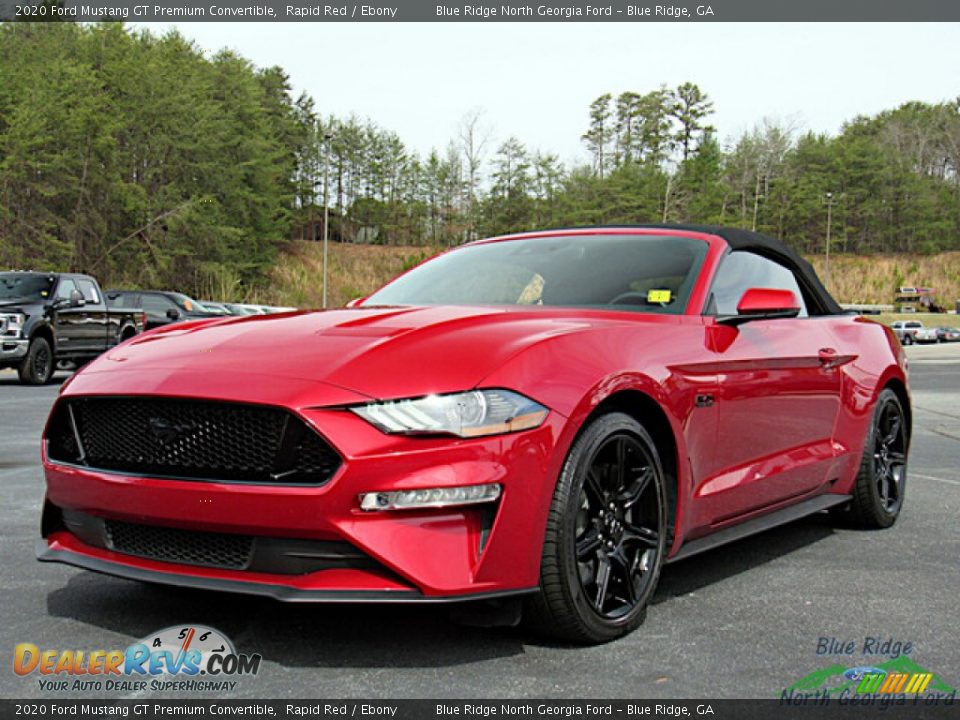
column 938, row 479
column 936, row 412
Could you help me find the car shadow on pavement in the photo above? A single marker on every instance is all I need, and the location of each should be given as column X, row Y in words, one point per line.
column 371, row 635
column 291, row 634
column 726, row 561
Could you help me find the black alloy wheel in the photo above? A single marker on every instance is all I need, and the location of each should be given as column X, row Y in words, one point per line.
column 606, row 535
column 881, row 482
column 618, row 527
column 38, row 365
column 890, row 455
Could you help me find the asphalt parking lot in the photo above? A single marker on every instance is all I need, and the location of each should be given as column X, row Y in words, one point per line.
column 741, row 621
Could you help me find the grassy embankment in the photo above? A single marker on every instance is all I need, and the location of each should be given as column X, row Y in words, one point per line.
column 873, row 278
column 356, row 270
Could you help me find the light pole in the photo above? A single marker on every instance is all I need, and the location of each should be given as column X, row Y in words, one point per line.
column 327, row 136
column 828, row 201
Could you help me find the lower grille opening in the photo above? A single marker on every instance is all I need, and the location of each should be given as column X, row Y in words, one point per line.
column 179, row 546
column 253, row 553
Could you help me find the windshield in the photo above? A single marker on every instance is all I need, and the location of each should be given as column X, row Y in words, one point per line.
column 186, row 302
column 28, row 287
column 623, row 272
column 215, row 308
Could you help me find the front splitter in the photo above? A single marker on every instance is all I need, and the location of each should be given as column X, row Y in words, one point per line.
column 284, row 593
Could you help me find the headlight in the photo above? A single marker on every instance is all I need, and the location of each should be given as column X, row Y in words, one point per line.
column 14, row 323
column 469, row 414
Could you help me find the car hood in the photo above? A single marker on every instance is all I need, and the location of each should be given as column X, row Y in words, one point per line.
column 15, row 304
column 376, row 352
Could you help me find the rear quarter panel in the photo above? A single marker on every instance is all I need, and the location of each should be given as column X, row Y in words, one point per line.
column 880, row 361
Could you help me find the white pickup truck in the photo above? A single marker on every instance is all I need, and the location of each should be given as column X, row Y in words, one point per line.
column 913, row 331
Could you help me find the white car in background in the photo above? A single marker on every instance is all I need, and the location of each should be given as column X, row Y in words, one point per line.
column 913, row 331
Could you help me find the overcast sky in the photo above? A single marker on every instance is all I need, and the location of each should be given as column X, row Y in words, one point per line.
column 536, row 80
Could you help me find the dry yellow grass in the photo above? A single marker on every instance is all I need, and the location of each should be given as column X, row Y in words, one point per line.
column 874, row 278
column 354, row 271
column 357, row 270
column 928, row 319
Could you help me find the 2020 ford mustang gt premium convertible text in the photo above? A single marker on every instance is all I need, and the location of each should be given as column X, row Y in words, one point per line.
column 550, row 415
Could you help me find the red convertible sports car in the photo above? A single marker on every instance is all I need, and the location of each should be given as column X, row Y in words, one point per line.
column 542, row 420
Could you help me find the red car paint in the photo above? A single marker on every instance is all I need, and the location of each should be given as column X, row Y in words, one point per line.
column 791, row 402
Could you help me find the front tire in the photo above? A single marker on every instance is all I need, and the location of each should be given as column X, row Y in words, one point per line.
column 37, row 366
column 908, row 339
column 126, row 333
column 881, row 483
column 605, row 537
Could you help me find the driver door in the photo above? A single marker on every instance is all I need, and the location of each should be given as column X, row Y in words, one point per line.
column 778, row 395
column 158, row 310
column 71, row 322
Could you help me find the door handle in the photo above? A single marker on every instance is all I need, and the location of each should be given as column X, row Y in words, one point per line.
column 829, row 358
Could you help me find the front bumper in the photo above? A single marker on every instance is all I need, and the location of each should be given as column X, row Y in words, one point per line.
column 66, row 549
column 13, row 349
column 463, row 553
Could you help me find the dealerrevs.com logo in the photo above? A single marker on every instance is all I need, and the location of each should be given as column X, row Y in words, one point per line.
column 187, row 658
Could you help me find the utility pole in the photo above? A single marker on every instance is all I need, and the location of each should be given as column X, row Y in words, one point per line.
column 327, row 136
column 756, row 203
column 828, row 200
column 666, row 198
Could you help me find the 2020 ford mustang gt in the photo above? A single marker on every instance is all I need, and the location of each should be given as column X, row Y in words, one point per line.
column 552, row 415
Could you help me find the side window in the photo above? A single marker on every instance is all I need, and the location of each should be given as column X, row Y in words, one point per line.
column 122, row 300
column 89, row 291
column 741, row 271
column 64, row 288
column 155, row 304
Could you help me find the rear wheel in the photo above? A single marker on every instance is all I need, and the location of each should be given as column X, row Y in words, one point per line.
column 37, row 366
column 605, row 536
column 881, row 483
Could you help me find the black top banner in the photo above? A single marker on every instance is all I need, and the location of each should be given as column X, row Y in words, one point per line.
column 481, row 11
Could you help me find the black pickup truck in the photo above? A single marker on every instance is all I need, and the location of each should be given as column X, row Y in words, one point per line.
column 52, row 318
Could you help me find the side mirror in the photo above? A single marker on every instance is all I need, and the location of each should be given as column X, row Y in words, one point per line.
column 764, row 304
column 353, row 303
column 173, row 314
column 76, row 299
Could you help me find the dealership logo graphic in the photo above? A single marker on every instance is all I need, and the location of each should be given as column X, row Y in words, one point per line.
column 897, row 678
column 179, row 657
column 894, row 682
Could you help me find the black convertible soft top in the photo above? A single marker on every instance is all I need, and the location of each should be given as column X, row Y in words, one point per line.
column 764, row 245
column 775, row 249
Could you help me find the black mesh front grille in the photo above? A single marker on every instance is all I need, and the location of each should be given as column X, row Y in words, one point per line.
column 315, row 456
column 190, row 439
column 179, row 546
